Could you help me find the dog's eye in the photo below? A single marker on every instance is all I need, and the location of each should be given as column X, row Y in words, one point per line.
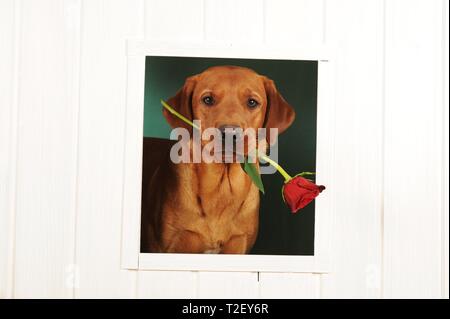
column 208, row 100
column 252, row 103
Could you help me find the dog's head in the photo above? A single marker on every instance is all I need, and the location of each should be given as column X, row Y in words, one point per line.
column 229, row 97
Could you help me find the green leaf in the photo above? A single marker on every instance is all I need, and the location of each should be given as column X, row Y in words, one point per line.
column 252, row 171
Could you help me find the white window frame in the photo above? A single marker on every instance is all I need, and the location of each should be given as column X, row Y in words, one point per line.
column 131, row 258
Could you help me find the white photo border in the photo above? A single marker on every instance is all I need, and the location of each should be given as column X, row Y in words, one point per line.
column 131, row 257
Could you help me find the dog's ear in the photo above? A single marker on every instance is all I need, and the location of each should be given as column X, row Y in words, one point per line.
column 182, row 103
column 279, row 114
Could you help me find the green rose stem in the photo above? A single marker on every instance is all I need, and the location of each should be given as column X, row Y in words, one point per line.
column 181, row 117
column 280, row 169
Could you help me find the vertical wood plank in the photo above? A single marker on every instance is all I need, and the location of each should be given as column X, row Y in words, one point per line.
column 294, row 22
column 174, row 20
column 8, row 127
column 227, row 285
column 413, row 143
column 167, row 284
column 106, row 26
column 234, row 21
column 355, row 29
column 289, row 286
column 445, row 173
column 46, row 171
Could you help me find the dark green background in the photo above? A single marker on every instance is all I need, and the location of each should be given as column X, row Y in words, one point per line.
column 280, row 232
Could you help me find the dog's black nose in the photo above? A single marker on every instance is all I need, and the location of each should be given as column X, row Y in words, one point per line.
column 231, row 130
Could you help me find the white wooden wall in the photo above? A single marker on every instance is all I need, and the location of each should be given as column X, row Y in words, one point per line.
column 62, row 105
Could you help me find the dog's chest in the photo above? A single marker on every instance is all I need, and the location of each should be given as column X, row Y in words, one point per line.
column 219, row 218
column 218, row 205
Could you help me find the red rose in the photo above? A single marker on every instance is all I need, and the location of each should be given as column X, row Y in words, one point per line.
column 299, row 192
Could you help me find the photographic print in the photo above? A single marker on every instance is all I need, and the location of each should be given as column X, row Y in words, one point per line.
column 257, row 200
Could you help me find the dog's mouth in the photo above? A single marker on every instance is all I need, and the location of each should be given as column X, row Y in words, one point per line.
column 231, row 148
column 236, row 154
column 231, row 152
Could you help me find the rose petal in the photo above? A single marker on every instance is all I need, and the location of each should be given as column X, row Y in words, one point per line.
column 299, row 192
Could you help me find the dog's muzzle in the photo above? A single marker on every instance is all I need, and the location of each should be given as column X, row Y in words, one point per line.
column 233, row 132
